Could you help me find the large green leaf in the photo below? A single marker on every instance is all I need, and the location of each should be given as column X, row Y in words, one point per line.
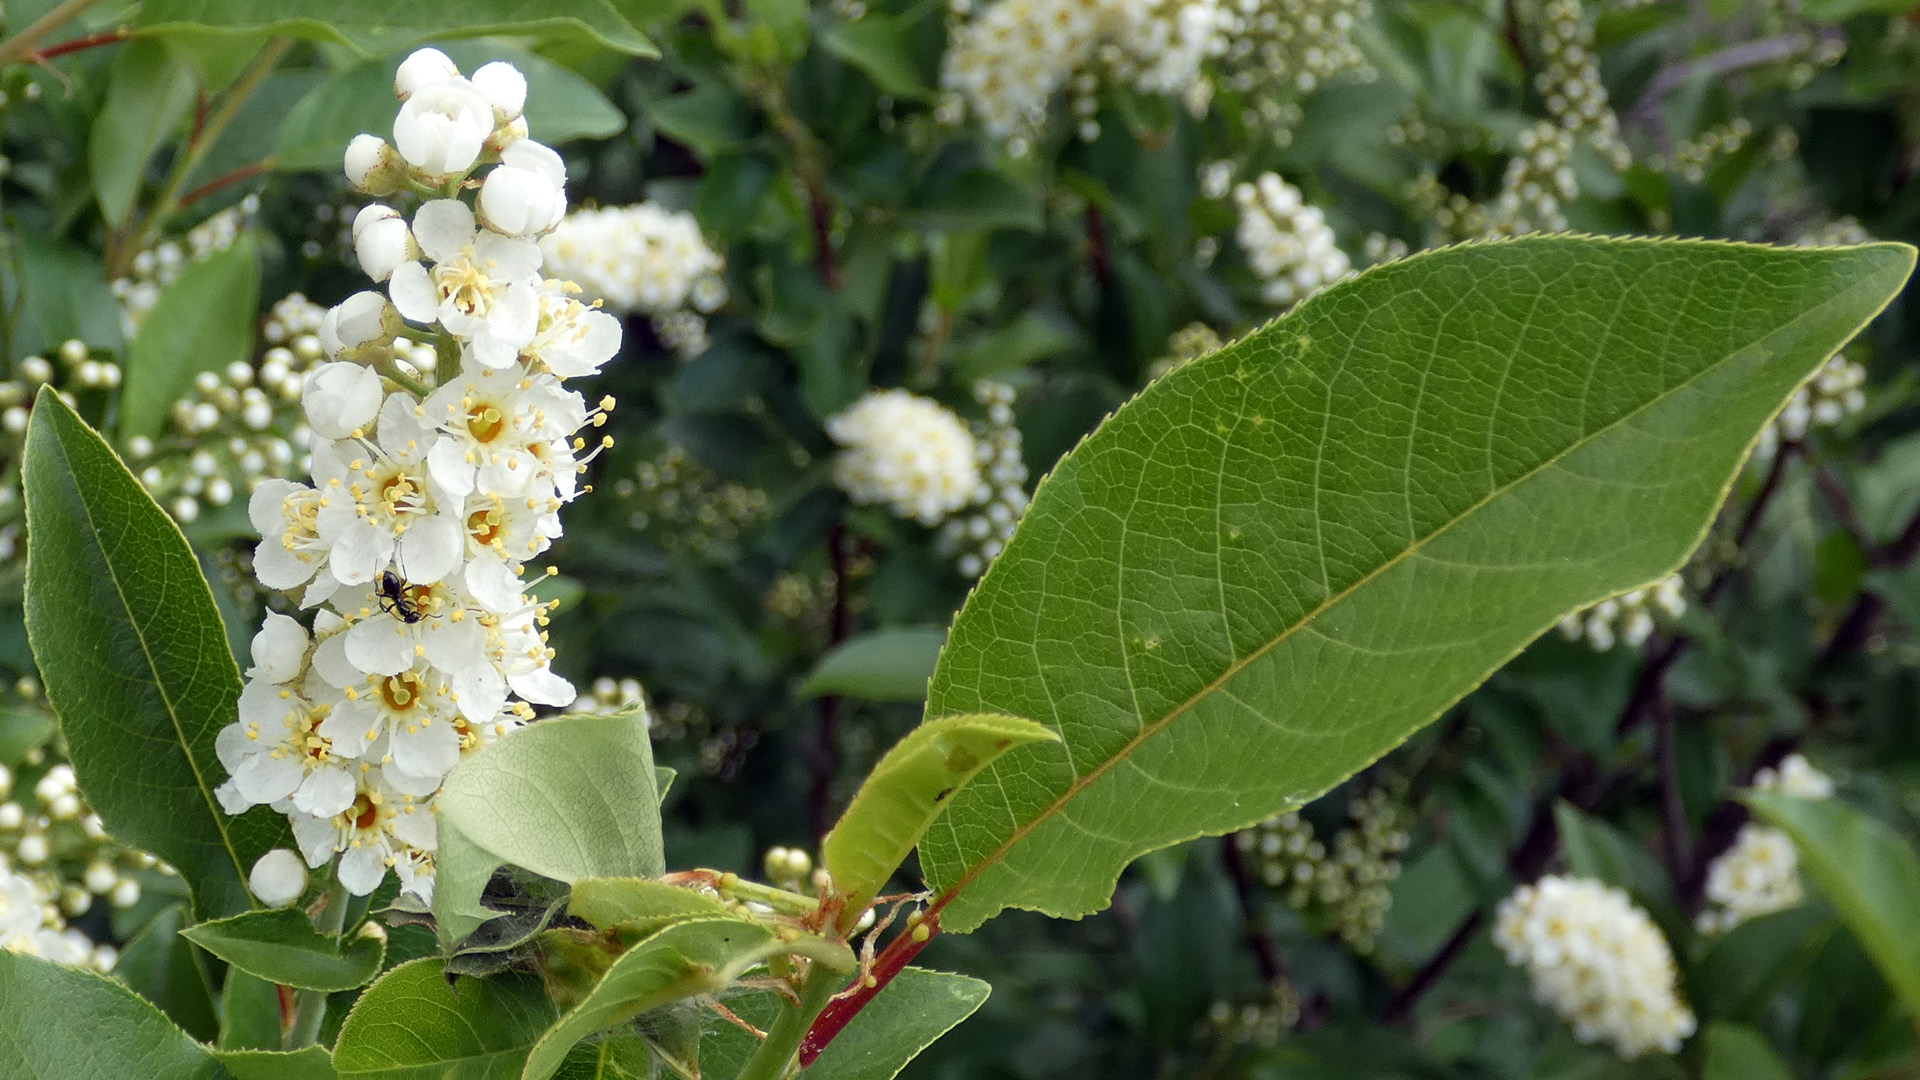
column 312, row 1063
column 1737, row 1052
column 135, row 660
column 416, row 1024
column 885, row 665
column 701, row 956
column 150, row 88
column 284, row 947
column 203, row 321
column 1868, row 871
column 906, row 791
column 567, row 798
column 914, row 1010
column 374, row 27
column 65, row 1023
column 1276, row 563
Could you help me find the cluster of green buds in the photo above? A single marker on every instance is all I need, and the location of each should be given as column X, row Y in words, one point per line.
column 1187, row 344
column 1344, row 890
column 1259, row 1024
column 1569, row 81
column 686, row 506
column 76, row 373
column 1692, row 158
column 1539, row 181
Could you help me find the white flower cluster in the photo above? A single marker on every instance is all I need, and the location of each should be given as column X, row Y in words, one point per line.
column 1760, row 873
column 1626, row 619
column 1288, row 244
column 1569, row 81
column 57, row 841
column 1007, row 63
column 154, row 269
column 975, row 539
column 908, row 452
column 1835, row 392
column 642, row 260
column 425, row 503
column 1598, row 961
column 608, row 696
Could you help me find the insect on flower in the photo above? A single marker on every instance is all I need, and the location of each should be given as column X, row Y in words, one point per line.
column 394, row 600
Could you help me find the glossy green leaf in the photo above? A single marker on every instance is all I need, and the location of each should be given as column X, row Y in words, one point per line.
column 1280, row 560
column 166, row 969
column 284, row 947
column 701, row 956
column 150, row 89
column 641, row 904
column 375, row 27
column 1870, row 874
column 249, row 1013
column 135, row 661
column 568, row 798
column 203, row 321
column 915, row 1009
column 414, row 1024
column 885, row 665
column 877, row 44
column 908, row 790
column 312, row 1063
column 64, row 1023
column 1737, row 1052
column 561, row 106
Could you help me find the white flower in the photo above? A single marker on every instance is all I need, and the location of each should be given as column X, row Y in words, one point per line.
column 362, row 320
column 380, row 824
column 481, row 287
column 1758, row 875
column 1287, row 243
column 573, row 340
column 382, row 508
column 490, row 421
column 421, row 68
column 341, row 399
column 526, row 194
column 504, row 88
column 278, row 878
column 908, row 452
column 291, row 549
column 414, row 711
column 443, row 127
column 437, row 624
column 381, row 240
column 373, row 166
column 1795, row 776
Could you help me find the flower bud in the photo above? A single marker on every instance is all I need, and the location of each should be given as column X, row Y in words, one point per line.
column 504, row 88
column 507, row 134
column 373, row 167
column 381, row 240
column 279, row 877
column 341, row 398
column 443, row 127
column 527, row 194
column 423, row 67
column 365, row 318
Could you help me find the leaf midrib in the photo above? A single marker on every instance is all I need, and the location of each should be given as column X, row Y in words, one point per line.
column 1081, row 782
column 140, row 635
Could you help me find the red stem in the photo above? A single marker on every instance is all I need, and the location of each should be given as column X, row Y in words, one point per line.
column 105, row 37
column 244, row 172
column 840, row 1011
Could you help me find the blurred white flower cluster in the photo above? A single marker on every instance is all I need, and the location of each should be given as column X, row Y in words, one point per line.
column 1760, row 873
column 1539, row 181
column 976, row 538
column 1288, row 244
column 1293, row 45
column 30, row 923
column 1598, row 961
column 154, row 269
column 642, row 260
column 1627, row 619
column 908, row 452
column 1835, row 392
column 1569, row 81
column 426, row 502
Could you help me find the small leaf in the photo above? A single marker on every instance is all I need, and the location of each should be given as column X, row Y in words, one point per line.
column 203, row 321
column 1869, row 873
column 135, row 661
column 311, row 1063
column 701, row 956
column 415, row 1024
column 915, row 1009
column 641, row 904
column 64, row 1022
column 568, row 798
column 885, row 665
column 377, row 27
column 149, row 90
column 1737, row 1052
column 166, row 969
column 284, row 947
column 877, row 44
column 1279, row 561
column 907, row 790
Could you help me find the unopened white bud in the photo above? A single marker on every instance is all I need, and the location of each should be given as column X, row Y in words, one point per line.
column 278, row 878
column 381, row 240
column 126, row 894
column 341, row 398
column 363, row 319
column 423, row 67
column 527, row 193
column 443, row 127
column 504, row 88
column 374, row 167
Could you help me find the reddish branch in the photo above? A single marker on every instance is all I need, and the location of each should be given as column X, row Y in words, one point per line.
column 244, row 172
column 105, row 37
column 891, row 962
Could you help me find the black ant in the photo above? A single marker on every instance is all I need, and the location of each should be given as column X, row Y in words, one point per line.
column 393, row 599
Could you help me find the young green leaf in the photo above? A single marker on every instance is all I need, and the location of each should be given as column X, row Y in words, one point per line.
column 569, row 798
column 700, row 956
column 376, row 27
column 284, row 947
column 885, row 665
column 914, row 1010
column 150, row 88
column 203, row 321
column 1868, row 871
column 1280, row 560
column 907, row 791
column 312, row 1063
column 1737, row 1052
column 415, row 1024
column 135, row 660
column 58, row 1021
column 638, row 903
